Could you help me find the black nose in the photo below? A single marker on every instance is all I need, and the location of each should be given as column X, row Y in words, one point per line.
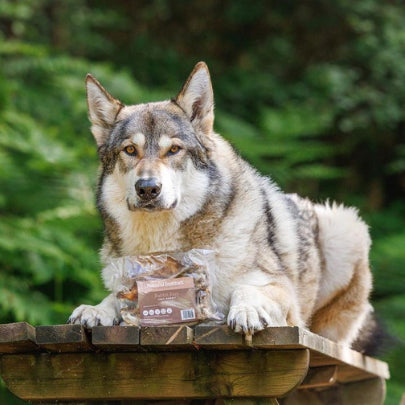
column 148, row 189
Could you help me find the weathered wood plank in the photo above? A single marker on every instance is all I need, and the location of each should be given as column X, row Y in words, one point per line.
column 319, row 377
column 167, row 337
column 56, row 402
column 116, row 338
column 282, row 337
column 323, row 351
column 217, row 337
column 170, row 402
column 346, row 374
column 344, row 354
column 17, row 337
column 62, row 338
column 163, row 375
column 247, row 401
column 367, row 392
column 173, row 402
column 233, row 401
column 178, row 402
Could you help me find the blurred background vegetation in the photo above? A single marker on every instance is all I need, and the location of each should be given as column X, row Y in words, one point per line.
column 312, row 93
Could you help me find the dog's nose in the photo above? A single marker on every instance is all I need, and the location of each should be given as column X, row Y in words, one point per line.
column 148, row 189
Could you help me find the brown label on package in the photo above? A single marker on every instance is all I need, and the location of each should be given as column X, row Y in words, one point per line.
column 166, row 301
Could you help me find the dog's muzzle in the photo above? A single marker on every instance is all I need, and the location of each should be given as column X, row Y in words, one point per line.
column 148, row 189
column 149, row 197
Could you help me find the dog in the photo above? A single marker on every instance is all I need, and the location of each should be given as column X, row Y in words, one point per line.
column 168, row 182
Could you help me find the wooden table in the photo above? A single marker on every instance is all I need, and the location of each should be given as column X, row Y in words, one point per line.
column 183, row 365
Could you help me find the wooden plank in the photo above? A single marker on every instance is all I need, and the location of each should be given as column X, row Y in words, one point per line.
column 343, row 354
column 247, row 401
column 233, row 401
column 346, row 374
column 320, row 377
column 217, row 337
column 171, row 402
column 17, row 337
column 101, row 402
column 116, row 338
column 167, row 337
column 282, row 337
column 323, row 351
column 62, row 338
column 148, row 375
column 368, row 392
column 178, row 402
column 320, row 359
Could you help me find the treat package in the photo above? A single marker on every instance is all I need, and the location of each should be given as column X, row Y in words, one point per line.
column 165, row 288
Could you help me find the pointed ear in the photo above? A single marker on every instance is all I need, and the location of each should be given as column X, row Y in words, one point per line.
column 196, row 98
column 103, row 109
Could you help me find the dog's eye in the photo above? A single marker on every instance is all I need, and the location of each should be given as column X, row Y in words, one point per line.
column 173, row 150
column 130, row 150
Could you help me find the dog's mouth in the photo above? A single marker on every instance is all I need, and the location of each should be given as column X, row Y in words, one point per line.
column 151, row 206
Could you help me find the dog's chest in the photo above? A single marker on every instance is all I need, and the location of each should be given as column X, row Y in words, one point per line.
column 154, row 233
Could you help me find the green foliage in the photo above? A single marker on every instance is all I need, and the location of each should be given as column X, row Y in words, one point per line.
column 312, row 93
column 47, row 235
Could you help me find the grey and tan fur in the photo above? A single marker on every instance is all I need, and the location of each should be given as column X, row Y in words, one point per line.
column 169, row 182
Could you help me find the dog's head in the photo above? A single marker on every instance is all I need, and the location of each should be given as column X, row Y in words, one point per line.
column 154, row 156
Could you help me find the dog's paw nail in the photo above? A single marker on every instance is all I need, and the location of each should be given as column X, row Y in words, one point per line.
column 72, row 321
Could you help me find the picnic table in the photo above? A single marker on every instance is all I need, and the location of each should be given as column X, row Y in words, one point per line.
column 179, row 364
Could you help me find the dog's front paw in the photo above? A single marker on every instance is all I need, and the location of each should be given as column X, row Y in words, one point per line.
column 90, row 316
column 250, row 312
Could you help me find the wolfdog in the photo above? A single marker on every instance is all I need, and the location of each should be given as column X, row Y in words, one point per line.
column 168, row 182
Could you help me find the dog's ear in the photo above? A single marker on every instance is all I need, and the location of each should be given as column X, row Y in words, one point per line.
column 196, row 98
column 103, row 109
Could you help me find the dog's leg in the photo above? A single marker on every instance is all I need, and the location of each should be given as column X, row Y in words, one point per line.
column 253, row 308
column 106, row 313
column 342, row 317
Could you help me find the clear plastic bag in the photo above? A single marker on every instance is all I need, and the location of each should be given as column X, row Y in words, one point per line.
column 165, row 288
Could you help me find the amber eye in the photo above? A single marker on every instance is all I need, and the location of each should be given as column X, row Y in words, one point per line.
column 173, row 150
column 130, row 150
